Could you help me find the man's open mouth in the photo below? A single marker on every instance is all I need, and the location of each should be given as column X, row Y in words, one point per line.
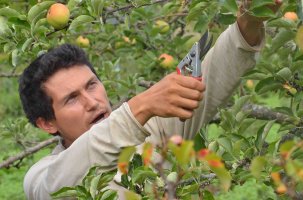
column 98, row 118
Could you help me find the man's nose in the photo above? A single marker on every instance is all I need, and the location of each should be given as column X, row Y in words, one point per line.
column 90, row 103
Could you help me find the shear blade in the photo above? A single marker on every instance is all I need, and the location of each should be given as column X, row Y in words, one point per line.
column 204, row 46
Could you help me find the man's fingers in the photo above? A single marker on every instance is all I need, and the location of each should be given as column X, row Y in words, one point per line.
column 188, row 104
column 191, row 94
column 192, row 83
column 183, row 113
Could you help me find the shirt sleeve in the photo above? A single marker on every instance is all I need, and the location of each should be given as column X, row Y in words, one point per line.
column 223, row 66
column 100, row 145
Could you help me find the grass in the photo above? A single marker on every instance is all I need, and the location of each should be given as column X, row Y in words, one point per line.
column 11, row 180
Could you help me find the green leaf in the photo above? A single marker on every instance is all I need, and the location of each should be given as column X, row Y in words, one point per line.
column 281, row 23
column 80, row 20
column 26, row 44
column 230, row 5
column 129, row 195
column 15, row 57
column 183, row 152
column 4, row 29
column 126, row 154
column 186, row 150
column 285, row 110
column 64, row 192
column 224, row 177
column 237, row 146
column 239, row 104
column 207, row 195
column 195, row 11
column 141, row 174
column 37, row 9
column 281, row 38
column 91, row 172
column 105, row 179
column 256, row 75
column 245, row 125
column 257, row 166
column 94, row 185
column 241, row 116
column 262, row 134
column 262, row 12
column 225, row 143
column 228, row 120
column 109, row 195
column 268, row 84
column 97, row 6
column 260, row 3
column 226, row 18
column 9, row 12
column 73, row 4
column 285, row 74
column 199, row 141
column 287, row 146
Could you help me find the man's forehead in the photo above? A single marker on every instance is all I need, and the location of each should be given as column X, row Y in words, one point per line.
column 68, row 79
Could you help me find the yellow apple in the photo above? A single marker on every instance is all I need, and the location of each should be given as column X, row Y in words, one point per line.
column 162, row 26
column 58, row 16
column 167, row 61
column 128, row 40
column 82, row 41
column 249, row 84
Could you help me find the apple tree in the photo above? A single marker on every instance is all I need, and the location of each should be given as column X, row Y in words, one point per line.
column 251, row 150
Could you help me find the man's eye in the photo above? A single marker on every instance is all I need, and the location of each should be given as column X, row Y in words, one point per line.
column 92, row 84
column 71, row 100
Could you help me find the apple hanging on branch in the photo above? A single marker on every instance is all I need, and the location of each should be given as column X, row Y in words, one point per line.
column 82, row 41
column 58, row 16
column 167, row 61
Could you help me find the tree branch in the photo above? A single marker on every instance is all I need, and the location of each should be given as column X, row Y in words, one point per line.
column 264, row 113
column 10, row 75
column 8, row 162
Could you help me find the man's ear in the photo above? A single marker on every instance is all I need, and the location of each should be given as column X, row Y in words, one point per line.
column 46, row 125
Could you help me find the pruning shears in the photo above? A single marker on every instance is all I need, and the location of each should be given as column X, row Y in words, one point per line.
column 190, row 65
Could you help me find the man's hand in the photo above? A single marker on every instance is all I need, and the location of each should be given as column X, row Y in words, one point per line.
column 173, row 96
column 250, row 26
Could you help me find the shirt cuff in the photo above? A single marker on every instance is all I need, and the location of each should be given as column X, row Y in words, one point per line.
column 132, row 117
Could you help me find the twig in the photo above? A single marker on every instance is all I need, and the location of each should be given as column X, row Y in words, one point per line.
column 8, row 162
column 133, row 6
column 146, row 84
column 10, row 75
column 208, row 177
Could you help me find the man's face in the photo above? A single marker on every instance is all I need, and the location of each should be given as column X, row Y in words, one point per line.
column 79, row 101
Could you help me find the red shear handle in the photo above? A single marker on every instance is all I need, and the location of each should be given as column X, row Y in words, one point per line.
column 178, row 71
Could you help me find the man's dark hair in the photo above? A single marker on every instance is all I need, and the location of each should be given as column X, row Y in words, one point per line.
column 36, row 103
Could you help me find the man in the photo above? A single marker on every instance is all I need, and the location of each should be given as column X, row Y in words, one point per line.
column 62, row 95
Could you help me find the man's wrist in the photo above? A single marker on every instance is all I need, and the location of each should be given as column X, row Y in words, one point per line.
column 139, row 108
column 251, row 30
